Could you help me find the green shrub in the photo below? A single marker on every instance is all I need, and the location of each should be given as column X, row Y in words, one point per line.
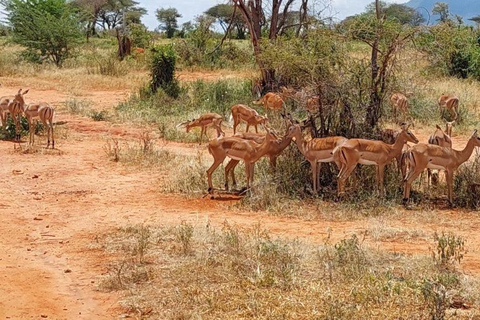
column 162, row 70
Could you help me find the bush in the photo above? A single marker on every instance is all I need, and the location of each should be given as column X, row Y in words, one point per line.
column 163, row 71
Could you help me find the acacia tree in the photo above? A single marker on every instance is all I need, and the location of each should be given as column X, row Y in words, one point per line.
column 224, row 13
column 441, row 9
column 168, row 20
column 48, row 28
column 255, row 17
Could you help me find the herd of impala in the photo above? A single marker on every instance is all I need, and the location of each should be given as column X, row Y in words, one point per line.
column 15, row 106
column 346, row 153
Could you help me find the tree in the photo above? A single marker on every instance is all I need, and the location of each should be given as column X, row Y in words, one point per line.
column 255, row 17
column 48, row 28
column 111, row 15
column 399, row 12
column 168, row 20
column 91, row 10
column 224, row 15
column 441, row 9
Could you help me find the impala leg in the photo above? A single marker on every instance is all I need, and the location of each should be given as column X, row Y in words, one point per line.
column 210, row 171
column 248, row 126
column 347, row 172
column 449, row 176
column 313, row 164
column 53, row 138
column 230, row 169
column 380, row 177
column 256, row 129
column 412, row 175
column 235, row 124
column 317, row 174
column 201, row 134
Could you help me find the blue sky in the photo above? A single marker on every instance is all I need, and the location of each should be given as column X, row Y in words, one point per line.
column 189, row 9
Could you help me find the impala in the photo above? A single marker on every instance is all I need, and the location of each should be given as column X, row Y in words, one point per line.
column 271, row 101
column 400, row 103
column 4, row 102
column 235, row 148
column 15, row 108
column 370, row 152
column 274, row 150
column 316, row 151
column 423, row 156
column 205, row 120
column 441, row 139
column 449, row 127
column 34, row 111
column 449, row 102
column 242, row 112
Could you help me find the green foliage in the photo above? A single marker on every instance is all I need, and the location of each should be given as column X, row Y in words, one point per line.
column 452, row 49
column 163, row 70
column 223, row 13
column 168, row 20
column 48, row 28
column 141, row 37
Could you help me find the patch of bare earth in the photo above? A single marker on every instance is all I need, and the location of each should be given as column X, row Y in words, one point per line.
column 55, row 203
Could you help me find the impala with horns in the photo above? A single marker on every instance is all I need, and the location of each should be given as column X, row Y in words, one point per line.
column 400, row 104
column 241, row 112
column 274, row 150
column 238, row 149
column 316, row 150
column 271, row 101
column 205, row 120
column 369, row 152
column 33, row 112
column 449, row 102
column 423, row 156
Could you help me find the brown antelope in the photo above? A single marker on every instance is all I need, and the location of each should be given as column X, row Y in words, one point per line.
column 274, row 150
column 235, row 148
column 400, row 103
column 423, row 156
column 449, row 102
column 369, row 152
column 439, row 138
column 205, row 120
column 449, row 127
column 15, row 108
column 241, row 112
column 271, row 101
column 33, row 112
column 316, row 151
column 4, row 102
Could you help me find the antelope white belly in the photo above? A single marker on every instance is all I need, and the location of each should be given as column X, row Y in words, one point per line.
column 367, row 162
column 435, row 166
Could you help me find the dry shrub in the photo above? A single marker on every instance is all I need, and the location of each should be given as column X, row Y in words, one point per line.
column 246, row 273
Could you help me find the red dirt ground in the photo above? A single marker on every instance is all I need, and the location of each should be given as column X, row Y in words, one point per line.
column 54, row 203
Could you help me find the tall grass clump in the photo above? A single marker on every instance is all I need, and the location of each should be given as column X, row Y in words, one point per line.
column 466, row 184
column 193, row 271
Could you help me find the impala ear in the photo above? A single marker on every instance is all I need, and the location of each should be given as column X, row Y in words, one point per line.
column 25, row 92
column 19, row 91
column 438, row 127
column 474, row 133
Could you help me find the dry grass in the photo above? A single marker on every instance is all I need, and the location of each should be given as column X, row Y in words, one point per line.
column 195, row 271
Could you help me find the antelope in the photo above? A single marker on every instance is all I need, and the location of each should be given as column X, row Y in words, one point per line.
column 449, row 127
column 15, row 108
column 274, row 150
column 423, row 156
column 449, row 102
column 241, row 112
column 369, row 152
column 400, row 103
column 4, row 102
column 32, row 111
column 235, row 148
column 271, row 101
column 204, row 121
column 316, row 151
column 441, row 139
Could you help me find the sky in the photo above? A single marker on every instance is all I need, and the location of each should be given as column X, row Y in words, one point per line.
column 189, row 9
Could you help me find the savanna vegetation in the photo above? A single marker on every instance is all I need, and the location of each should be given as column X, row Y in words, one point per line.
column 352, row 66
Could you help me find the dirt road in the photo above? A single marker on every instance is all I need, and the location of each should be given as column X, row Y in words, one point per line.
column 55, row 202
